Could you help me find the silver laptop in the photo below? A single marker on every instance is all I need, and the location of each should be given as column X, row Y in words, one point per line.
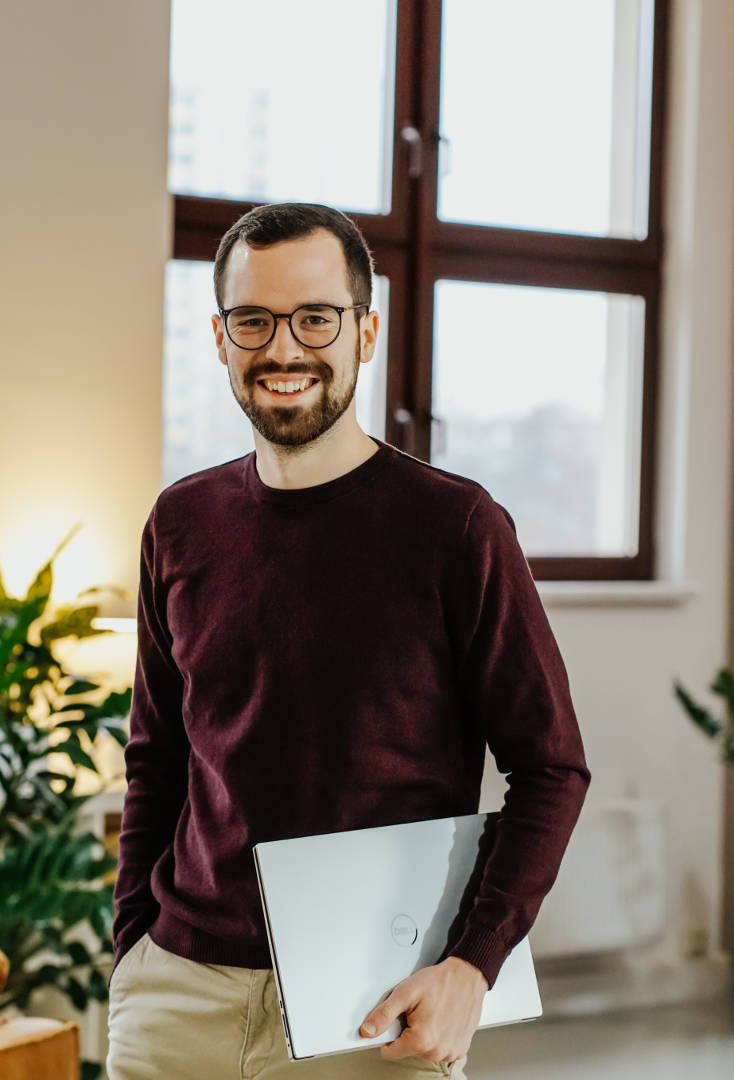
column 350, row 914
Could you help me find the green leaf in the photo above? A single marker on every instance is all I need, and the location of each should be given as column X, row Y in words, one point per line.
column 723, row 685
column 76, row 992
column 62, row 544
column 97, row 987
column 47, row 774
column 74, row 751
column 120, row 734
column 48, row 974
column 40, row 587
column 79, row 953
column 81, row 686
column 115, row 706
column 116, row 590
column 101, row 866
column 71, row 622
column 76, row 906
column 101, row 919
column 700, row 716
column 95, row 918
column 91, row 1070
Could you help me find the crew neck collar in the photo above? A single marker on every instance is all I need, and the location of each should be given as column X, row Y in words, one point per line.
column 331, row 489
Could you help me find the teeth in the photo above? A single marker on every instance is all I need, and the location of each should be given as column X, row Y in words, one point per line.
column 288, row 387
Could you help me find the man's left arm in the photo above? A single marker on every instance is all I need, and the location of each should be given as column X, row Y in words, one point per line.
column 513, row 683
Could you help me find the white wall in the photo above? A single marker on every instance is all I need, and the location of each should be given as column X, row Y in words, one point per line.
column 86, row 231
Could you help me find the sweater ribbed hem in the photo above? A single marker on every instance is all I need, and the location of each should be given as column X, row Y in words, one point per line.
column 188, row 941
column 484, row 950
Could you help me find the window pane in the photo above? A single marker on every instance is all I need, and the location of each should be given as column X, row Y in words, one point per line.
column 537, row 395
column 202, row 423
column 545, row 113
column 283, row 101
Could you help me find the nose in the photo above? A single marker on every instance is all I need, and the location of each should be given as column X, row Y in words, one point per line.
column 283, row 345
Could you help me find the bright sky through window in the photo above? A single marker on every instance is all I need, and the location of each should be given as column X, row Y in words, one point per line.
column 283, row 100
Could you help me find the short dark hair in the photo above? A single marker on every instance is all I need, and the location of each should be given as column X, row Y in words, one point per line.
column 269, row 224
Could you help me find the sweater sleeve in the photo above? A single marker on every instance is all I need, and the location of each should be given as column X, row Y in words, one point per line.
column 514, row 684
column 156, row 759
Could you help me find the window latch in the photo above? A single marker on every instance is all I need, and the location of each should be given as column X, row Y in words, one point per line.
column 414, row 141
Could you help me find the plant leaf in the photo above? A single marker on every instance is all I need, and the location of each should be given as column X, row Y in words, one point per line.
column 91, row 1070
column 74, row 751
column 97, row 986
column 76, row 992
column 120, row 734
column 71, row 622
column 700, row 716
column 79, row 953
column 81, row 686
column 723, row 685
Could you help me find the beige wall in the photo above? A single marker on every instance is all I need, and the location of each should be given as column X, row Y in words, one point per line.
column 85, row 235
column 86, row 231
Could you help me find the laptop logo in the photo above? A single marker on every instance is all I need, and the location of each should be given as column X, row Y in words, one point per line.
column 403, row 930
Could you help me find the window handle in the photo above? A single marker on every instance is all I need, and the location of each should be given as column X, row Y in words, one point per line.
column 404, row 419
column 414, row 141
column 438, row 435
column 445, row 155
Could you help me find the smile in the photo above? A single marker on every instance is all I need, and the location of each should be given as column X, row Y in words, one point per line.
column 292, row 388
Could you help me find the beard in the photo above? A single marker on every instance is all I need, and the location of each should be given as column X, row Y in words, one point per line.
column 295, row 425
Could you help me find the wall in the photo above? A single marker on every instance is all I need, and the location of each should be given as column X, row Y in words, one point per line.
column 87, row 226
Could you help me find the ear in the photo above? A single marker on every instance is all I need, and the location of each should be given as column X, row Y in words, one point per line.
column 368, row 327
column 218, row 328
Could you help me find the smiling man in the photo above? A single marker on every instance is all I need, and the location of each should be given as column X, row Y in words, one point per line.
column 330, row 632
column 293, row 366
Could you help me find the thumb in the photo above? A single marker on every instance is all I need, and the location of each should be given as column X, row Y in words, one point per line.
column 379, row 1019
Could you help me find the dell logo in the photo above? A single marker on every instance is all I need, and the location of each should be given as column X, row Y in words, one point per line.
column 403, row 930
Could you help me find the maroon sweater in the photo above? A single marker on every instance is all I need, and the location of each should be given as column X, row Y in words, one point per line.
column 328, row 658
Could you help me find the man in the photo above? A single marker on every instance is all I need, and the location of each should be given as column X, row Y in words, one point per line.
column 330, row 632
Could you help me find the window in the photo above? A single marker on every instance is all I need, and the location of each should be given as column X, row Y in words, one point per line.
column 504, row 163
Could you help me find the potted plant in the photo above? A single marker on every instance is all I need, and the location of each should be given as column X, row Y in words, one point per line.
column 51, row 874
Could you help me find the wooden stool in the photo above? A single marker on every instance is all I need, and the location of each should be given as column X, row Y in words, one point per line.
column 37, row 1047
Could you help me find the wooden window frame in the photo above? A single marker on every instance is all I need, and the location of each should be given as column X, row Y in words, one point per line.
column 413, row 248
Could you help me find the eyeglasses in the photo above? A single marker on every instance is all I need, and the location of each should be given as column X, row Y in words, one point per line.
column 313, row 325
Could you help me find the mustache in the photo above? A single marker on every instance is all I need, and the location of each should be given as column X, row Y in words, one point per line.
column 285, row 373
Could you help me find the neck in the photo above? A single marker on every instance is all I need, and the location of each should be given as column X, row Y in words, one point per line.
column 336, row 452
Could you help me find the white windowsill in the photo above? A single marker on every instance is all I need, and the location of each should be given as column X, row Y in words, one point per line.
column 616, row 593
column 554, row 594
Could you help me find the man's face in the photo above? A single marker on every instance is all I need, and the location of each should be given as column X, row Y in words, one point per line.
column 309, row 270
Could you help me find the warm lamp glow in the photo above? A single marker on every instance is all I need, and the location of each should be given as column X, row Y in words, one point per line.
column 77, row 566
column 120, row 626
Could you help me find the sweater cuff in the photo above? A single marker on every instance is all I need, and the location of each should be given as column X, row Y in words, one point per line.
column 485, row 950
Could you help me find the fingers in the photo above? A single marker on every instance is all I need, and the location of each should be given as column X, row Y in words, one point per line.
column 379, row 1019
column 412, row 1043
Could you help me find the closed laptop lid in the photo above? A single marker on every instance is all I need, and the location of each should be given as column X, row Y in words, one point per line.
column 351, row 914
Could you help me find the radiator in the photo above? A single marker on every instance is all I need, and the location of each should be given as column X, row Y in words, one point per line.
column 610, row 891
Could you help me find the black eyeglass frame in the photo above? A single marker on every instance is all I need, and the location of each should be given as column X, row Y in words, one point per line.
column 226, row 312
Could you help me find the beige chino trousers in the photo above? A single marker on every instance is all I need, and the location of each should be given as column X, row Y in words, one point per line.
column 177, row 1019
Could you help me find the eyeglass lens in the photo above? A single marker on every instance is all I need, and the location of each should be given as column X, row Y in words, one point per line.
column 313, row 325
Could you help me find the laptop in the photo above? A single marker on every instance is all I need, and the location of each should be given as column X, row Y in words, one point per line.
column 350, row 914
